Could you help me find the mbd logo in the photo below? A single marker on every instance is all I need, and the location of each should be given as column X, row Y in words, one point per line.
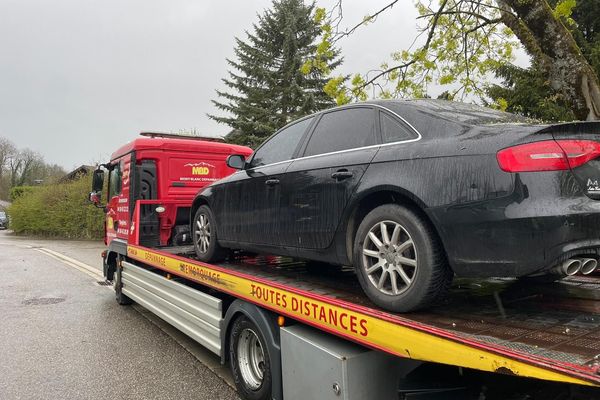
column 200, row 171
column 200, row 168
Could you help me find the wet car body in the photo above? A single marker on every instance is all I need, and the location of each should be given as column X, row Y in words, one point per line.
column 494, row 223
column 490, row 222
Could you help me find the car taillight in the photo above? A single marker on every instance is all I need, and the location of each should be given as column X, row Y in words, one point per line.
column 548, row 155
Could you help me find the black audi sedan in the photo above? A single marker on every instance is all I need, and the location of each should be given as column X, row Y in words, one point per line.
column 411, row 193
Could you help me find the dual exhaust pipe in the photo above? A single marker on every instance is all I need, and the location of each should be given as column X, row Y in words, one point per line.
column 573, row 266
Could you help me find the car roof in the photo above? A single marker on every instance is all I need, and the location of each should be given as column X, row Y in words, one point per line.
column 455, row 111
column 453, row 115
column 451, row 111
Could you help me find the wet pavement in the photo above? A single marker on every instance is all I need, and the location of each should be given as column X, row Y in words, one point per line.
column 64, row 336
column 85, row 251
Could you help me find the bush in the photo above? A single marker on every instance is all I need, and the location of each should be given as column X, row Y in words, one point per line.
column 19, row 191
column 60, row 210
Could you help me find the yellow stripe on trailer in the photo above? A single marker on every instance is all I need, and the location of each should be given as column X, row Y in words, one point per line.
column 371, row 329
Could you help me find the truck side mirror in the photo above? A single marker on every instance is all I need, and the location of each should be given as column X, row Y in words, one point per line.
column 98, row 180
column 236, row 161
column 96, row 198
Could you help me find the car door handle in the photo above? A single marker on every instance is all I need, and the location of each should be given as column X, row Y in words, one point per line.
column 272, row 182
column 342, row 174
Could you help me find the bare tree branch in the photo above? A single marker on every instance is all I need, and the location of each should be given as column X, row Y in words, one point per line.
column 366, row 20
column 458, row 12
column 432, row 28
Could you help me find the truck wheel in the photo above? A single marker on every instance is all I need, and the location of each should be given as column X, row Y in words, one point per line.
column 204, row 233
column 249, row 360
column 122, row 299
column 400, row 263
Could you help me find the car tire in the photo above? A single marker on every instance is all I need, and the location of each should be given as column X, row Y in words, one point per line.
column 249, row 360
column 409, row 270
column 204, row 235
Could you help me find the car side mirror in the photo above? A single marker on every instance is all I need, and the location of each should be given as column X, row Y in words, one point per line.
column 236, row 161
column 98, row 180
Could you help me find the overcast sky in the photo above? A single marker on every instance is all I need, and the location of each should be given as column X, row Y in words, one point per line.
column 79, row 78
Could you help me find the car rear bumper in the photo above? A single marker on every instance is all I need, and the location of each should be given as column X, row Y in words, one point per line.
column 518, row 239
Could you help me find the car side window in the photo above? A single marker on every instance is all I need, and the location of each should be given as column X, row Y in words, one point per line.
column 281, row 147
column 393, row 130
column 115, row 181
column 342, row 130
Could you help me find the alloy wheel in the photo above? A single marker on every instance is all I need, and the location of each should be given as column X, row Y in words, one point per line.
column 202, row 233
column 390, row 258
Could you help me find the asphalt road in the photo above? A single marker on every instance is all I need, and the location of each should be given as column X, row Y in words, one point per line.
column 64, row 337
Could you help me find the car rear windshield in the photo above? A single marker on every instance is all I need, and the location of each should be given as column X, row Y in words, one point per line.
column 446, row 116
column 2, row 214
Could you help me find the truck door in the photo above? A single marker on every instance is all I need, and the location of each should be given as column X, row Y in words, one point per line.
column 117, row 214
column 146, row 189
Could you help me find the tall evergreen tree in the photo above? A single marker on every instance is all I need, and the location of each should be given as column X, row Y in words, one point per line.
column 266, row 86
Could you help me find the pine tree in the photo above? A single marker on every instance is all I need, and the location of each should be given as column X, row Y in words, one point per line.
column 267, row 90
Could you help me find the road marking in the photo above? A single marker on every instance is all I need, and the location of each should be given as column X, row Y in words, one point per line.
column 71, row 262
column 22, row 246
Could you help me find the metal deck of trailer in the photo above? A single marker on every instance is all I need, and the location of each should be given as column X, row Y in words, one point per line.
column 544, row 331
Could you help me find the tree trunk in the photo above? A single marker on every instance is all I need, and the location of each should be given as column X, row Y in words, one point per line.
column 547, row 39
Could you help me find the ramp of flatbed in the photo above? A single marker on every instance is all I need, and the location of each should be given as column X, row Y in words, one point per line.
column 544, row 331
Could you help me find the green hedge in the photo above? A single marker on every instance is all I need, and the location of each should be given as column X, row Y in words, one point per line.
column 19, row 191
column 60, row 210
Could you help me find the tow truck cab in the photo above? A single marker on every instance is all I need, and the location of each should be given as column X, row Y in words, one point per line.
column 160, row 167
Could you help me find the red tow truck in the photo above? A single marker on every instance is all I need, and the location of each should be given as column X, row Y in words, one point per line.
column 159, row 166
column 290, row 330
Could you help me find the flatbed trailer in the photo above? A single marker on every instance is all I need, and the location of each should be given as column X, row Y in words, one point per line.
column 548, row 332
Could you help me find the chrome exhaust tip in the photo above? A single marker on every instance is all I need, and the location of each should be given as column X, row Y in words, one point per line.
column 571, row 266
column 588, row 265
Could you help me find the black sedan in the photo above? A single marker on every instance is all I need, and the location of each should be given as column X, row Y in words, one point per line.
column 412, row 193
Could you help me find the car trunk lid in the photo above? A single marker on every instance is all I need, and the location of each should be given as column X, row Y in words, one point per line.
column 577, row 139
